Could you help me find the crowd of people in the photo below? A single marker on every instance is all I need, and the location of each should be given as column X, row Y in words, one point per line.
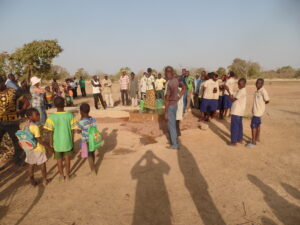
column 212, row 96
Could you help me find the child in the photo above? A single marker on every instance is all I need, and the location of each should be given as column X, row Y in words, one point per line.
column 237, row 112
column 230, row 82
column 210, row 96
column 49, row 96
column 36, row 156
column 61, row 124
column 84, row 124
column 261, row 98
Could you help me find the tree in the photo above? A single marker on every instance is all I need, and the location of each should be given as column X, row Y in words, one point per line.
column 297, row 74
column 221, row 71
column 36, row 57
column 4, row 63
column 243, row 68
column 81, row 73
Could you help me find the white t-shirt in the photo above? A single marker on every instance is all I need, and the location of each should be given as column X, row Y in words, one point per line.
column 96, row 90
column 239, row 105
column 209, row 86
column 230, row 83
column 259, row 102
column 143, row 84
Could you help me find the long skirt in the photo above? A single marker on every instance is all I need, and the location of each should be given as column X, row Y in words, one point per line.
column 150, row 99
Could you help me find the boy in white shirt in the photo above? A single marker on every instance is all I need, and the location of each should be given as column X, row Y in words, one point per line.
column 237, row 112
column 210, row 96
column 261, row 98
column 230, row 83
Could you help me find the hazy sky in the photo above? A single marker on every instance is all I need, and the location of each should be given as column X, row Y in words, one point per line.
column 106, row 35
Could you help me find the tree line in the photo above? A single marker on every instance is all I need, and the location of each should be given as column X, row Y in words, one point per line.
column 35, row 59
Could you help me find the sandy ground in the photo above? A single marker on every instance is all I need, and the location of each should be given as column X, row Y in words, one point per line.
column 140, row 182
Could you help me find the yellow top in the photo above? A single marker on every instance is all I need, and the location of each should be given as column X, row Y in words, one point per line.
column 35, row 130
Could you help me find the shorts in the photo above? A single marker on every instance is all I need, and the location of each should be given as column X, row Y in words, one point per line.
column 209, row 105
column 227, row 103
column 35, row 157
column 60, row 155
column 255, row 122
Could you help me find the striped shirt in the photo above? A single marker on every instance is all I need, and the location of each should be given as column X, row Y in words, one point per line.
column 124, row 82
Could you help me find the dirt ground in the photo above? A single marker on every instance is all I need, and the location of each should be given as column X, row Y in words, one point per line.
column 140, row 182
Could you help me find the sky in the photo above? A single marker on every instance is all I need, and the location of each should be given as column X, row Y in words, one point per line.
column 107, row 35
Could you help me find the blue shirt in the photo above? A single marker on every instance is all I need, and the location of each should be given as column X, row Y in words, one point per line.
column 10, row 84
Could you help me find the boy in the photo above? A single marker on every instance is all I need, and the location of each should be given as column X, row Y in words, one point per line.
column 261, row 98
column 230, row 82
column 49, row 97
column 84, row 124
column 210, row 96
column 61, row 124
column 237, row 112
column 36, row 156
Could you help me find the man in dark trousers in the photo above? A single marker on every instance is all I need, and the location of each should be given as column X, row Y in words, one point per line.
column 97, row 92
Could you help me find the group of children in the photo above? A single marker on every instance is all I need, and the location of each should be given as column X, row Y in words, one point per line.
column 219, row 95
column 62, row 126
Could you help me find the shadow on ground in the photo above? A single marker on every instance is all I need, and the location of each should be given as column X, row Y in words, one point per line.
column 285, row 211
column 152, row 204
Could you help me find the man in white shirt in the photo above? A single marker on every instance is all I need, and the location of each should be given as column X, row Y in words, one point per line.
column 106, row 89
column 237, row 112
column 97, row 92
column 261, row 98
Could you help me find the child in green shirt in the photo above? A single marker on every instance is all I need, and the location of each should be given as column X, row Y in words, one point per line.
column 62, row 125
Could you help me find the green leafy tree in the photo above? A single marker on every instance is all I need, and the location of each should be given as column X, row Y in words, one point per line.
column 35, row 58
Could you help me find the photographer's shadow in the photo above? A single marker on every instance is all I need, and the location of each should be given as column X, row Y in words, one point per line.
column 152, row 204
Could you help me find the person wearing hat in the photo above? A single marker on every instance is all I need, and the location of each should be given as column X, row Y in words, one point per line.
column 37, row 99
column 9, row 115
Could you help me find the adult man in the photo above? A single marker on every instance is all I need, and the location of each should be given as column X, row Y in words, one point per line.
column 97, row 93
column 82, row 86
column 143, row 84
column 106, row 84
column 160, row 86
column 171, row 99
column 11, row 82
column 9, row 120
column 124, row 86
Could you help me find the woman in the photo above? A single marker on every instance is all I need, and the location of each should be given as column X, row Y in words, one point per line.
column 150, row 90
column 133, row 93
column 37, row 100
